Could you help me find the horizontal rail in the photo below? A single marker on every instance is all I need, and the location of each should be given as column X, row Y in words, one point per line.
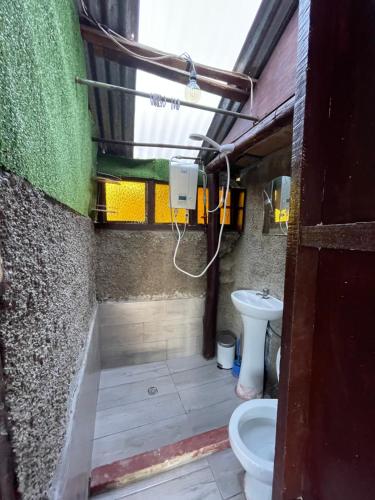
column 147, row 95
column 153, row 144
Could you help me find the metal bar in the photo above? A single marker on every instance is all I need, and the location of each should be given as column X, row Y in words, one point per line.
column 153, row 144
column 107, row 86
column 212, row 294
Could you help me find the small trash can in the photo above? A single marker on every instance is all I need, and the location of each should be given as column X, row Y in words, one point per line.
column 226, row 345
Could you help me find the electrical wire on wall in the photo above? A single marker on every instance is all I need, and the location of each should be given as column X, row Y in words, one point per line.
column 180, row 235
column 116, row 38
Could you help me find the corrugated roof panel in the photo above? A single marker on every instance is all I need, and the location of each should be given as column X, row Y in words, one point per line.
column 213, row 33
column 113, row 112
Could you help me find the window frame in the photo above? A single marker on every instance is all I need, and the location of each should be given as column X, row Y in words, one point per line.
column 151, row 225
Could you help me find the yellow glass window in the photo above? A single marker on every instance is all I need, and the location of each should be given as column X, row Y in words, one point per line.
column 227, row 212
column 162, row 209
column 241, row 199
column 240, row 220
column 127, row 200
column 200, row 206
column 281, row 215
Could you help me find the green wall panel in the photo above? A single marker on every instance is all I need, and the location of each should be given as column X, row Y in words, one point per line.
column 157, row 169
column 45, row 125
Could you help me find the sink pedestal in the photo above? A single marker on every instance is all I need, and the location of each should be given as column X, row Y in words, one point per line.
column 256, row 310
column 250, row 382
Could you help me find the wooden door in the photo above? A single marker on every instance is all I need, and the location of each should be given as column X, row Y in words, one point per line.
column 325, row 444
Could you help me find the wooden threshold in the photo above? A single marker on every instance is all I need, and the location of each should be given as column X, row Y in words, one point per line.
column 144, row 465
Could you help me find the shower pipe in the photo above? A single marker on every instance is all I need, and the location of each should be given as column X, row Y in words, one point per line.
column 147, row 95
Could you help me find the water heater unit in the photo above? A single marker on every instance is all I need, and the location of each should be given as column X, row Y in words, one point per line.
column 183, row 182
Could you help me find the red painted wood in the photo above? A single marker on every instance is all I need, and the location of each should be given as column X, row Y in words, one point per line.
column 340, row 462
column 276, row 83
column 112, row 475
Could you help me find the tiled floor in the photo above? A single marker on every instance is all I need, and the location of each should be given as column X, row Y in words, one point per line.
column 193, row 396
column 216, row 477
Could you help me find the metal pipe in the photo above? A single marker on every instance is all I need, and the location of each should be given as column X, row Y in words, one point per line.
column 212, row 293
column 153, row 144
column 108, row 86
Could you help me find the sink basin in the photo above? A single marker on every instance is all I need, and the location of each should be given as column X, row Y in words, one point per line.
column 247, row 302
column 255, row 312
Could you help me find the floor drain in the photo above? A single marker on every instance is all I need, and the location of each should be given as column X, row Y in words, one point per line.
column 152, row 390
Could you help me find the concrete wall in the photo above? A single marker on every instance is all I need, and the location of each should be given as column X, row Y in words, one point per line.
column 149, row 311
column 138, row 265
column 141, row 332
column 46, row 305
column 257, row 261
column 74, row 470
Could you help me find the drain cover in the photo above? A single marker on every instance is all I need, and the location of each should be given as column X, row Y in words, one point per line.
column 152, row 390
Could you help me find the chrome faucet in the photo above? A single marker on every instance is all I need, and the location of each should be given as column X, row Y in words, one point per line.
column 265, row 293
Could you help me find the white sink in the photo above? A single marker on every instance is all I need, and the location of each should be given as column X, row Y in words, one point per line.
column 251, row 303
column 256, row 310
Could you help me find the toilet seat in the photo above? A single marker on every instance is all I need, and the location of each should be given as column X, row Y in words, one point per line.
column 252, row 430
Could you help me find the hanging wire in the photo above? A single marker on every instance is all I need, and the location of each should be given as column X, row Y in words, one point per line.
column 116, row 37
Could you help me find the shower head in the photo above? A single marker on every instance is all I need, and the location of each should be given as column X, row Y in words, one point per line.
column 223, row 148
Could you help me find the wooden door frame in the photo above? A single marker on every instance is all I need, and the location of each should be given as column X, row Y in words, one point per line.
column 306, row 236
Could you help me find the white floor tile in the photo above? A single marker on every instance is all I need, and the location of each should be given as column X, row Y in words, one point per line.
column 135, row 391
column 199, row 376
column 135, row 441
column 227, row 472
column 132, row 415
column 134, row 373
column 188, row 363
column 209, row 394
column 198, row 485
column 211, row 417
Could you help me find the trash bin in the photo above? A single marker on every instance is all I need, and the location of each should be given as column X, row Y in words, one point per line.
column 226, row 345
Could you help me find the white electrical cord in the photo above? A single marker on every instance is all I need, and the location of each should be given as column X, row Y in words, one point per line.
column 116, row 37
column 220, row 233
column 217, row 208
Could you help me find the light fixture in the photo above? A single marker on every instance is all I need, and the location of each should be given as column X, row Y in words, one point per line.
column 192, row 89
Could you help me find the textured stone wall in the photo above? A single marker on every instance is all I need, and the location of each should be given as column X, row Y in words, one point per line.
column 45, row 309
column 257, row 261
column 139, row 265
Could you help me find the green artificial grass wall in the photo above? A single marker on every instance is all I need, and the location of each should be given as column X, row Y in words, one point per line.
column 45, row 125
column 124, row 167
column 142, row 169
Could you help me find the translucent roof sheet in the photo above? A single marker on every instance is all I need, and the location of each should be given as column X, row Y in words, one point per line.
column 212, row 32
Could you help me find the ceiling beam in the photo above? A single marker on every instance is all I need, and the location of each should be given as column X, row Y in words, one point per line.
column 172, row 68
column 271, row 124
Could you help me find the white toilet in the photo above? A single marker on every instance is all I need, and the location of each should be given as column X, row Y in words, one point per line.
column 252, row 430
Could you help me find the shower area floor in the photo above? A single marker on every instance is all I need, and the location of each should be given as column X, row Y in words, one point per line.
column 144, row 407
